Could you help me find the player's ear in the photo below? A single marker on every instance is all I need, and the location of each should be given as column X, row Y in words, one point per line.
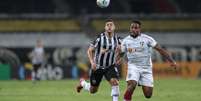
column 105, row 27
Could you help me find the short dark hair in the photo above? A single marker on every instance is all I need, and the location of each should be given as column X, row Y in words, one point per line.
column 109, row 20
column 137, row 21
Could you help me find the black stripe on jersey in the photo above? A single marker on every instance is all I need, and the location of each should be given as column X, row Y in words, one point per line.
column 108, row 55
column 107, row 58
column 112, row 53
column 105, row 42
column 119, row 42
column 104, row 47
column 97, row 52
column 115, row 42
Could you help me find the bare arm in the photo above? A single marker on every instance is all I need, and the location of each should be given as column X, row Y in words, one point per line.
column 118, row 55
column 90, row 53
column 165, row 54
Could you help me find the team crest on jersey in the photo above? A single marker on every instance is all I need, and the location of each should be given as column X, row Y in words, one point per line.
column 142, row 43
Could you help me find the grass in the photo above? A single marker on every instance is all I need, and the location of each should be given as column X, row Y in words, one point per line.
column 164, row 90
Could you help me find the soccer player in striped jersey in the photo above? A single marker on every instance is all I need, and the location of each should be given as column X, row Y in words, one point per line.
column 38, row 59
column 137, row 47
column 102, row 54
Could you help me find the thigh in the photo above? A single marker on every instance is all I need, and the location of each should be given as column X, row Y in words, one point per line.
column 111, row 72
column 96, row 77
column 133, row 73
column 146, row 78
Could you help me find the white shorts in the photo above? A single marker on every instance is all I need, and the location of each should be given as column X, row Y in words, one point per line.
column 141, row 74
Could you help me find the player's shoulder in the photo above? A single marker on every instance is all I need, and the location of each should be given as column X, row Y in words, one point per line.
column 146, row 36
column 117, row 36
column 99, row 35
column 127, row 38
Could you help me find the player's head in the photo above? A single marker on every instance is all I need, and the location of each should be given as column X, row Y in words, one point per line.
column 109, row 25
column 135, row 28
column 39, row 43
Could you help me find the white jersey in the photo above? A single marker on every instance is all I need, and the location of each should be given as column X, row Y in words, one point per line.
column 138, row 50
column 38, row 55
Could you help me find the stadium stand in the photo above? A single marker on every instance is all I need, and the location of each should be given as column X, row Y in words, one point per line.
column 26, row 6
column 71, row 24
column 43, row 25
column 76, row 7
column 151, row 25
column 192, row 6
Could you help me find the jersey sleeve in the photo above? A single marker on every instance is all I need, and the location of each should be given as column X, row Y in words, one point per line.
column 151, row 42
column 123, row 46
column 119, row 40
column 94, row 43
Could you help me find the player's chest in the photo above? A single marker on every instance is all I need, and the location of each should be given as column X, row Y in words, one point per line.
column 136, row 45
column 108, row 43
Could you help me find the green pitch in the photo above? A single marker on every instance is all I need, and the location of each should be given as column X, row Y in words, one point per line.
column 164, row 90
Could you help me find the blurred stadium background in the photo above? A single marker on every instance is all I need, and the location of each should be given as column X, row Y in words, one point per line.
column 67, row 26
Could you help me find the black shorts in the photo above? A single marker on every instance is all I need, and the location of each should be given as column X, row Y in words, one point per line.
column 108, row 73
column 36, row 67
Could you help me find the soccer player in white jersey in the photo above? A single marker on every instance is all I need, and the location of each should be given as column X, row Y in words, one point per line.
column 102, row 56
column 137, row 47
column 37, row 58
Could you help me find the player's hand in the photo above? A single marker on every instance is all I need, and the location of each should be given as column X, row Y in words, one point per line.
column 93, row 66
column 174, row 65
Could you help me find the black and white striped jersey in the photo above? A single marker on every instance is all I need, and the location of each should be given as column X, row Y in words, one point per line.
column 105, row 50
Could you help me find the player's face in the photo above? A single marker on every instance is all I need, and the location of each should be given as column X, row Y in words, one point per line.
column 39, row 43
column 109, row 27
column 135, row 29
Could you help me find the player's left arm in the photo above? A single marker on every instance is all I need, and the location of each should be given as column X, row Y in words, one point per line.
column 118, row 52
column 118, row 55
column 166, row 54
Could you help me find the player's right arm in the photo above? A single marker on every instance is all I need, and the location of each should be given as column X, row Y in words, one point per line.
column 90, row 53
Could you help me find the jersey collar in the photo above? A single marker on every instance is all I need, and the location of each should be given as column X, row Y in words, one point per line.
column 135, row 37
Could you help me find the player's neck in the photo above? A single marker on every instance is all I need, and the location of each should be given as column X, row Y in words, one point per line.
column 134, row 36
column 109, row 34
